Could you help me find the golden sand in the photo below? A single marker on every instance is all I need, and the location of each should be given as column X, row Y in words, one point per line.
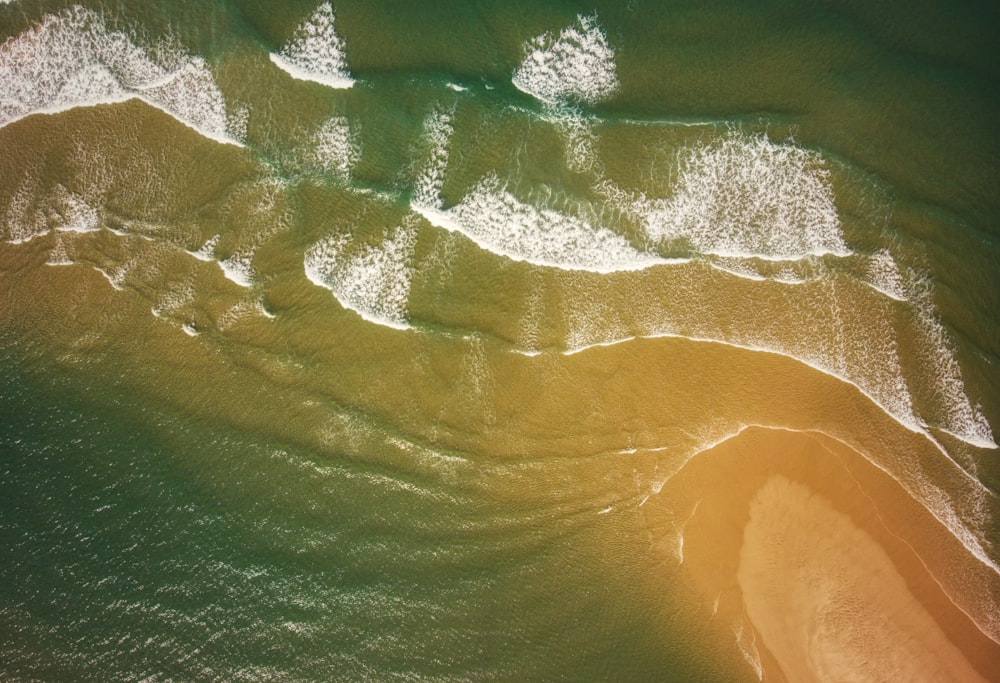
column 821, row 567
column 827, row 600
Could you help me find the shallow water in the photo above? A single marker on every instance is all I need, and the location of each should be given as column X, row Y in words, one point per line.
column 375, row 342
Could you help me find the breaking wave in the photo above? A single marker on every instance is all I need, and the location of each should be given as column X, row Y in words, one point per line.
column 577, row 65
column 315, row 52
column 71, row 59
column 372, row 280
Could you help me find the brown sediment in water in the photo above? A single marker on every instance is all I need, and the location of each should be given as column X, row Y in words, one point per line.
column 651, row 395
column 821, row 565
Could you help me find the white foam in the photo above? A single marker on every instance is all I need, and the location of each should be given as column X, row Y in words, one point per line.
column 578, row 64
column 315, row 52
column 115, row 279
column 190, row 94
column 886, row 388
column 334, row 147
column 62, row 211
column 580, row 139
column 746, row 196
column 738, row 267
column 72, row 60
column 58, row 256
column 247, row 308
column 438, row 130
column 500, row 223
column 748, row 649
column 884, row 276
column 960, row 419
column 787, row 275
column 207, row 250
column 177, row 297
column 372, row 280
column 75, row 214
column 238, row 268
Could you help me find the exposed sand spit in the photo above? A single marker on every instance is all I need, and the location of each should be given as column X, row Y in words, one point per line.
column 827, row 600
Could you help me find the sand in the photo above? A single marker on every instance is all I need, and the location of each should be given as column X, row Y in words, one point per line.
column 827, row 600
column 817, row 565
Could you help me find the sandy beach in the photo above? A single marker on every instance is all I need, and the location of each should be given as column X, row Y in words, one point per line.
column 827, row 600
column 822, row 568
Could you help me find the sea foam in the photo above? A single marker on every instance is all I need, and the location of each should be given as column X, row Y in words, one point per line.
column 333, row 147
column 71, row 59
column 747, row 196
column 372, row 280
column 960, row 418
column 500, row 223
column 884, row 276
column 30, row 213
column 577, row 65
column 315, row 52
column 438, row 129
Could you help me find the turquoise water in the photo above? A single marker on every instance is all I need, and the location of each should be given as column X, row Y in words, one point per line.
column 370, row 341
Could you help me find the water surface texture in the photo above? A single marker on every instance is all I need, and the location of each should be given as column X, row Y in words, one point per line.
column 506, row 341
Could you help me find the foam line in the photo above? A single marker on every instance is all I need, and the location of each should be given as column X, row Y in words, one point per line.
column 107, row 276
column 911, row 423
column 206, row 253
column 302, row 74
column 55, row 110
column 884, row 276
column 237, row 268
column 964, row 421
column 62, row 211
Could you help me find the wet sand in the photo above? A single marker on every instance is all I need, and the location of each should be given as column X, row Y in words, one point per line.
column 827, row 600
column 821, row 567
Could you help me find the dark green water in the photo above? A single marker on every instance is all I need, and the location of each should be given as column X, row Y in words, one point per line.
column 386, row 382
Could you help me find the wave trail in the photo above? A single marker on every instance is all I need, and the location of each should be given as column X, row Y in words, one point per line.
column 72, row 60
column 502, row 224
column 438, row 129
column 62, row 211
column 334, row 147
column 315, row 52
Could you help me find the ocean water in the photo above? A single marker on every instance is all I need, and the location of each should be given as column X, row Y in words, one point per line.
column 466, row 341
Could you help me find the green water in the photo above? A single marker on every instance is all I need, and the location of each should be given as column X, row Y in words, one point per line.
column 209, row 481
column 150, row 546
